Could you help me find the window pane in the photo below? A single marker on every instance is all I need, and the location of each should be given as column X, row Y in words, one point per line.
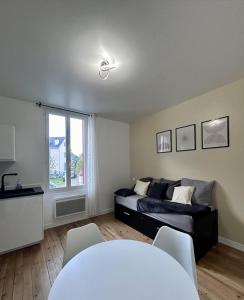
column 77, row 153
column 57, row 151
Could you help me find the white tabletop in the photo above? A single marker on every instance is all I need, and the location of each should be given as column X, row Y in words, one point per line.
column 123, row 270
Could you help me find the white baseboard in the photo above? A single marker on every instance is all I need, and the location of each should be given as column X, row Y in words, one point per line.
column 66, row 220
column 106, row 211
column 75, row 219
column 231, row 243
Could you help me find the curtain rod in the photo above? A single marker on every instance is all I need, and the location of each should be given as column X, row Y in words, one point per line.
column 40, row 104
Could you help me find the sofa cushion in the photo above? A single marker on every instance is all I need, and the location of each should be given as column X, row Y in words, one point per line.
column 203, row 190
column 151, row 185
column 130, row 202
column 158, row 190
column 183, row 194
column 141, row 187
column 171, row 185
column 125, row 192
column 145, row 179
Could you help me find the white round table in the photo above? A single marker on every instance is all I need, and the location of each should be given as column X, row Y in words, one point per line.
column 123, row 270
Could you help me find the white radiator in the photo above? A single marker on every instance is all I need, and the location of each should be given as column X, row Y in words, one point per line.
column 70, row 206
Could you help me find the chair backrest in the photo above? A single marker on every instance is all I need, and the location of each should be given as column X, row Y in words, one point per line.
column 180, row 246
column 80, row 238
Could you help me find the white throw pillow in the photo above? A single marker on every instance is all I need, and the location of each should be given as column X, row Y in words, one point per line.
column 183, row 194
column 141, row 187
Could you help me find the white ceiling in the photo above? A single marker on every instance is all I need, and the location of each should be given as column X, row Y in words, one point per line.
column 167, row 50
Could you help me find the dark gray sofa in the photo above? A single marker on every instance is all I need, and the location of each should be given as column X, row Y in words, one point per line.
column 203, row 229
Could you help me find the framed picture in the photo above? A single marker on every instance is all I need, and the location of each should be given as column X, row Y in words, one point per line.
column 186, row 138
column 164, row 141
column 215, row 133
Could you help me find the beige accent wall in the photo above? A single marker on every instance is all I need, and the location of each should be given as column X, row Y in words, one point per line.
column 225, row 165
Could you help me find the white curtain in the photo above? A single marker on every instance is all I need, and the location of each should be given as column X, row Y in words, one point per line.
column 92, row 169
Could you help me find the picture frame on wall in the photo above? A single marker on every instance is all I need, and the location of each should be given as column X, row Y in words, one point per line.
column 215, row 133
column 164, row 141
column 186, row 138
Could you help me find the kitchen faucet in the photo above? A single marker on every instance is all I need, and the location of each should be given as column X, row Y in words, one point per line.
column 4, row 175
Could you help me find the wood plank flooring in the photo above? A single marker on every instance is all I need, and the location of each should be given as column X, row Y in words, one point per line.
column 29, row 273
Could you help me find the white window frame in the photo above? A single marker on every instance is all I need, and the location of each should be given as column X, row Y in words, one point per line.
column 67, row 115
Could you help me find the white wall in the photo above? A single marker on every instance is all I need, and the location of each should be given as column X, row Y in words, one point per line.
column 29, row 134
column 112, row 143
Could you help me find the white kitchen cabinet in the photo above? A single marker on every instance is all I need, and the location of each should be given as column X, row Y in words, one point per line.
column 21, row 222
column 7, row 143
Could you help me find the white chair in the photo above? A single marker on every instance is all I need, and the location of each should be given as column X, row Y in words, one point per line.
column 79, row 239
column 180, row 246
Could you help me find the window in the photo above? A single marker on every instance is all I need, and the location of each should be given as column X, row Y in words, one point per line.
column 66, row 150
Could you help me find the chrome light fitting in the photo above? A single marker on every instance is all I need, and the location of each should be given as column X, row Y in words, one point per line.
column 105, row 68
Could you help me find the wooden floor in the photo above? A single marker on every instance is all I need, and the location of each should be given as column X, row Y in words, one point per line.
column 30, row 272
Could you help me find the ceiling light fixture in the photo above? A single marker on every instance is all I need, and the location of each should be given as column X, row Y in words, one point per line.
column 104, row 69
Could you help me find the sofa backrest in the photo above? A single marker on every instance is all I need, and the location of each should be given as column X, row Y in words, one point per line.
column 202, row 193
column 203, row 190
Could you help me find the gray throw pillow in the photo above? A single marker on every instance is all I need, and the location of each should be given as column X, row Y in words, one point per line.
column 203, row 190
column 171, row 185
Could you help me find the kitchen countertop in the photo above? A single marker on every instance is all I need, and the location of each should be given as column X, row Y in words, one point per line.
column 21, row 193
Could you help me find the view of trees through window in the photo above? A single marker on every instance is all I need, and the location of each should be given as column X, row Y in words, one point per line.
column 76, row 153
column 66, row 155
